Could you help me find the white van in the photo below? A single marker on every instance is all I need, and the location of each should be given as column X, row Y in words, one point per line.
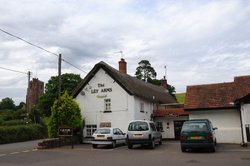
column 143, row 132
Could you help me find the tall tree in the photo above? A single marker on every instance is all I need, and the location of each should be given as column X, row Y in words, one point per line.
column 7, row 103
column 145, row 71
column 69, row 83
column 67, row 113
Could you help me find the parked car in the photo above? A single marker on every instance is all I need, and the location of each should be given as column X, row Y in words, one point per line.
column 198, row 133
column 143, row 132
column 108, row 136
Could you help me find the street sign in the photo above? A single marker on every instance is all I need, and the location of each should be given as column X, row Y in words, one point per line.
column 65, row 131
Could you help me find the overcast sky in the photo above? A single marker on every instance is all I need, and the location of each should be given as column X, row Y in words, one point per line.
column 200, row 41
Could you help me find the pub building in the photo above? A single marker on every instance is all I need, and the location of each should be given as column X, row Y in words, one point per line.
column 111, row 98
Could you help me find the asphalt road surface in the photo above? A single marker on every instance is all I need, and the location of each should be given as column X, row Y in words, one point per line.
column 169, row 154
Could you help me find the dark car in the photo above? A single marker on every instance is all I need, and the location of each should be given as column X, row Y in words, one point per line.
column 198, row 133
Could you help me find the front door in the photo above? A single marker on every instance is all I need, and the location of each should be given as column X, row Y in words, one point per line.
column 177, row 128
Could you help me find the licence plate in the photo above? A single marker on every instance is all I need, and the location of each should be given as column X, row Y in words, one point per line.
column 138, row 135
column 196, row 137
column 100, row 136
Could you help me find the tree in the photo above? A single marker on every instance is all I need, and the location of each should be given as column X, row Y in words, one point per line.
column 171, row 90
column 66, row 113
column 69, row 83
column 21, row 105
column 145, row 71
column 7, row 103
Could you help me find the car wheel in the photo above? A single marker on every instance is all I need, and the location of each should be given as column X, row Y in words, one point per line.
column 130, row 146
column 160, row 143
column 113, row 144
column 183, row 149
column 153, row 144
column 94, row 146
column 212, row 149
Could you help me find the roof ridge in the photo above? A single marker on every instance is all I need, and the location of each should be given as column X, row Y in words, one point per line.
column 212, row 84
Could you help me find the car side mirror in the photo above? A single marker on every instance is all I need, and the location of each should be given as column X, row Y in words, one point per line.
column 215, row 128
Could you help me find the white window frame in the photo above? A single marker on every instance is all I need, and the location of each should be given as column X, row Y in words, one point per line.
column 107, row 105
column 142, row 107
column 90, row 129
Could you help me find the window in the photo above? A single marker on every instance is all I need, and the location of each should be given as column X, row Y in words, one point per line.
column 142, row 107
column 102, row 131
column 195, row 126
column 138, row 126
column 90, row 129
column 159, row 126
column 117, row 132
column 107, row 105
column 152, row 126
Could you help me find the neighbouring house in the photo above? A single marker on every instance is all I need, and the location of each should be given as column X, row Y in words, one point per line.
column 217, row 102
column 110, row 97
column 34, row 92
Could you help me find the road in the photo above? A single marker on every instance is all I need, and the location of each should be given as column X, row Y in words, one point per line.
column 18, row 147
column 167, row 154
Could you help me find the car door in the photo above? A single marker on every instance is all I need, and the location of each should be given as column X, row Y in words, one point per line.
column 156, row 134
column 122, row 137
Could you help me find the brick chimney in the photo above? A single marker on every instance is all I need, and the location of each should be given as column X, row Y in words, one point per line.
column 164, row 82
column 123, row 66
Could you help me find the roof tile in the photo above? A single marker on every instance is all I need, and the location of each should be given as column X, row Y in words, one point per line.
column 131, row 84
column 220, row 95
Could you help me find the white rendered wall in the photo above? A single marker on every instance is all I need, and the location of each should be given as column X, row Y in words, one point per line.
column 148, row 109
column 101, row 87
column 227, row 121
column 168, row 125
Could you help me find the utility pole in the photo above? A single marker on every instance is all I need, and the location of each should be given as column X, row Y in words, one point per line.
column 59, row 89
column 59, row 78
column 28, row 92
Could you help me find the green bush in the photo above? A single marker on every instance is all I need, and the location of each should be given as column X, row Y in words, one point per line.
column 21, row 133
column 67, row 113
column 13, row 123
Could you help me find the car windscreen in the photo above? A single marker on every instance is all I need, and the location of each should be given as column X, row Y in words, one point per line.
column 138, row 126
column 195, row 126
column 102, row 131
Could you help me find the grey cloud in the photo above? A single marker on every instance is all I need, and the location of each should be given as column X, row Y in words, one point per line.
column 200, row 42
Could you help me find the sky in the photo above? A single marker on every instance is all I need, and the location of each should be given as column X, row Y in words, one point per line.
column 199, row 41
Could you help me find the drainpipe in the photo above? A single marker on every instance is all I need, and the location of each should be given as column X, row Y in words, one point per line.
column 244, row 144
column 238, row 105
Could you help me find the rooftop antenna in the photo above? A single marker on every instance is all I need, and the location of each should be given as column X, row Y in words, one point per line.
column 165, row 67
column 120, row 52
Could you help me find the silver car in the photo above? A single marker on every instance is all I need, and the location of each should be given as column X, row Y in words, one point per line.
column 108, row 136
column 143, row 132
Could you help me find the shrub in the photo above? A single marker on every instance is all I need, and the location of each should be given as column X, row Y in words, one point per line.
column 67, row 113
column 13, row 123
column 21, row 133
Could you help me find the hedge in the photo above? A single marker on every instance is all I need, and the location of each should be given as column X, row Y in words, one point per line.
column 21, row 133
column 12, row 123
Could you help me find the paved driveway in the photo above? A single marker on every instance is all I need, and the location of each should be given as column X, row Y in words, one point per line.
column 167, row 154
